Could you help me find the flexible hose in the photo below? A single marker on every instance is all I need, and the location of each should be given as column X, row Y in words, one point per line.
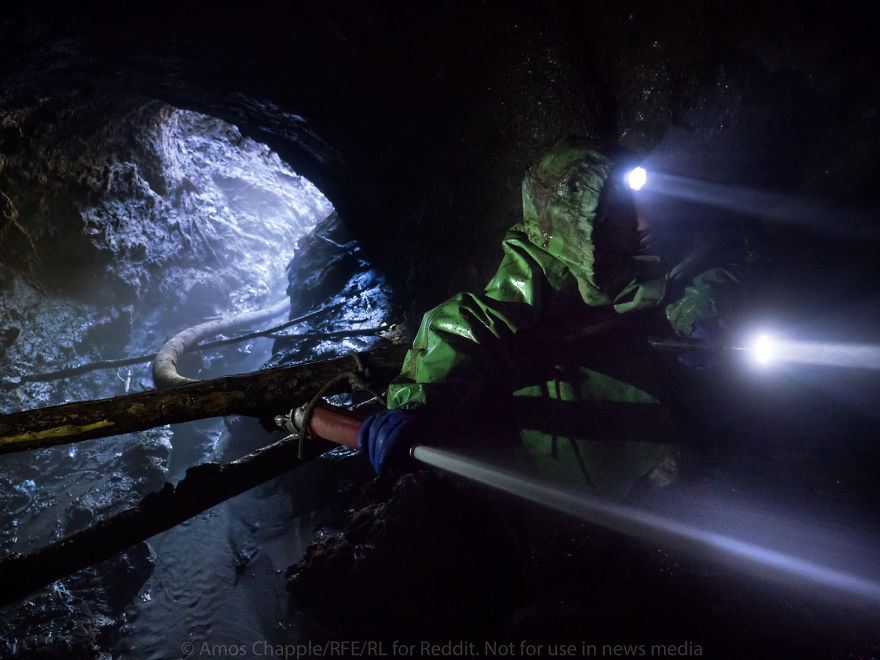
column 165, row 363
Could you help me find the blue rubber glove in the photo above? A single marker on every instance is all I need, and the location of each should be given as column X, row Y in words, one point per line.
column 386, row 437
column 713, row 331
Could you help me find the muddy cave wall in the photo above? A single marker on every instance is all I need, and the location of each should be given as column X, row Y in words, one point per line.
column 417, row 119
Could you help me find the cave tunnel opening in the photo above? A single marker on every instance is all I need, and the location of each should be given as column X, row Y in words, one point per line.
column 185, row 219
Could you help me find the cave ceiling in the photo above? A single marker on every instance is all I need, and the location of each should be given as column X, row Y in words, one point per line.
column 418, row 119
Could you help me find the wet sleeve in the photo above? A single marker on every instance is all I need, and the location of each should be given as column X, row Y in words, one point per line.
column 714, row 293
column 463, row 346
column 721, row 289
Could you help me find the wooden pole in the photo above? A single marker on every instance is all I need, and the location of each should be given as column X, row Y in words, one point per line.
column 260, row 394
column 203, row 487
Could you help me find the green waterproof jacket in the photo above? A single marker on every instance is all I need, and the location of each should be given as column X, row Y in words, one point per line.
column 560, row 327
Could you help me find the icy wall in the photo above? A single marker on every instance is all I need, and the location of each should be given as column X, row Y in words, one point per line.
column 156, row 220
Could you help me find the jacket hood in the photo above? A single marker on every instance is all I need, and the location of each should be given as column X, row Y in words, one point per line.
column 576, row 207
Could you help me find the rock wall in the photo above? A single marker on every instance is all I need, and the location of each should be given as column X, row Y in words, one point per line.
column 417, row 121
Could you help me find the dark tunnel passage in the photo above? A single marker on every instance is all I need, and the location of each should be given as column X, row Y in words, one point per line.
column 165, row 165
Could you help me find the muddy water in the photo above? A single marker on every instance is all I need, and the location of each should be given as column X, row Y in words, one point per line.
column 219, row 578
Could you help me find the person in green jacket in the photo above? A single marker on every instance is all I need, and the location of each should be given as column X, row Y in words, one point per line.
column 554, row 350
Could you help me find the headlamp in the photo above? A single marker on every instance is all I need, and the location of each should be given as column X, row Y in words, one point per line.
column 763, row 349
column 636, row 178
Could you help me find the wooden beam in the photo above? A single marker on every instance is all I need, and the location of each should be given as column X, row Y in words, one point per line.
column 259, row 394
